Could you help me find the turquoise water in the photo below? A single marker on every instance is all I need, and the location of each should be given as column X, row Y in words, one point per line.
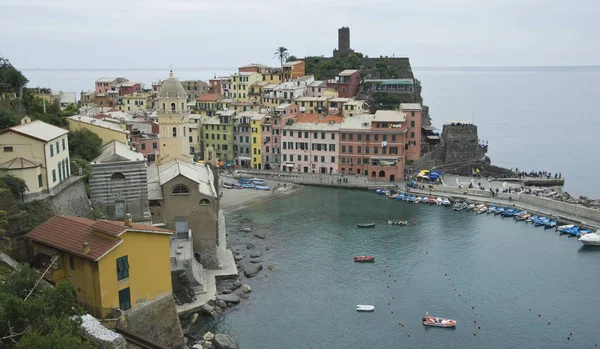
column 498, row 266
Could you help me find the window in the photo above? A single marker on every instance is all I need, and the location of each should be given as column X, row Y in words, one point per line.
column 359, row 136
column 350, row 149
column 358, row 149
column 254, row 140
column 375, row 150
column 143, row 146
column 53, row 175
column 174, row 131
column 315, row 135
column 122, row 268
column 284, row 157
column 40, row 183
column 204, row 202
column 154, row 145
column 57, row 148
column 367, row 137
column 412, row 113
column 315, row 158
column 51, row 150
column 291, row 134
column 63, row 143
column 224, row 137
column 393, row 138
column 343, row 148
column 385, row 137
column 333, row 136
column 351, row 136
column 254, row 152
column 117, row 176
column 412, row 123
column 322, row 159
column 292, row 157
column 367, row 150
column 71, row 263
column 299, row 134
column 125, row 299
column 305, row 134
column 180, row 190
column 343, row 136
column 333, row 159
column 412, row 135
column 8, row 149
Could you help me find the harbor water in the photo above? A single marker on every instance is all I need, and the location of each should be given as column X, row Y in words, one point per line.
column 511, row 278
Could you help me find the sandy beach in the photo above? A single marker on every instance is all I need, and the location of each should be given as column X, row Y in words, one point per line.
column 234, row 199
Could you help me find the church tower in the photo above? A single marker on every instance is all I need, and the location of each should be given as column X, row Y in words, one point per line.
column 173, row 119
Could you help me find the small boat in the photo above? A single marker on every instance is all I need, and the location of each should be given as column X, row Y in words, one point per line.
column 379, row 191
column 446, row 202
column 390, row 222
column 561, row 227
column 434, row 321
column 248, row 185
column 425, row 200
column 400, row 196
column 459, row 206
column 541, row 221
column 481, row 210
column 386, row 192
column 364, row 307
column 244, row 180
column 491, row 209
column 550, row 224
column 531, row 218
column 258, row 182
column 511, row 212
column 393, row 196
column 366, row 225
column 591, row 239
column 261, row 187
column 417, row 200
column 470, row 207
column 499, row 210
column 519, row 214
column 431, row 200
column 523, row 217
column 236, row 185
column 227, row 185
column 364, row 259
column 477, row 207
column 440, row 201
column 568, row 229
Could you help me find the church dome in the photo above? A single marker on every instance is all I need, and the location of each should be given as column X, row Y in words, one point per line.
column 172, row 88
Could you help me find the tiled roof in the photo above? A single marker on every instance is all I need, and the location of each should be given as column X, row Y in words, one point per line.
column 348, row 72
column 70, row 233
column 121, row 150
column 158, row 175
column 318, row 118
column 411, row 106
column 39, row 130
column 211, row 97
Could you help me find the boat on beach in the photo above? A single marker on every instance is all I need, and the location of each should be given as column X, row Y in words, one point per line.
column 261, row 187
column 365, row 307
column 366, row 225
column 391, row 222
column 364, row 259
column 591, row 239
column 434, row 321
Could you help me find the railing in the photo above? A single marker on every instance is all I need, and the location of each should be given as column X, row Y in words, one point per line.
column 97, row 312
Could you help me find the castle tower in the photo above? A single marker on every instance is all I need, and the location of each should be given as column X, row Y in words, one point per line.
column 173, row 120
column 344, row 40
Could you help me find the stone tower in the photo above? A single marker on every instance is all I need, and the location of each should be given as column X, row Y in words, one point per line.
column 173, row 120
column 343, row 43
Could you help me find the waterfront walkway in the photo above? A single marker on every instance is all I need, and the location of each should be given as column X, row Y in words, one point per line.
column 227, row 268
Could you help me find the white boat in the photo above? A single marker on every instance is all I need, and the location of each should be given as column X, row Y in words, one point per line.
column 418, row 200
column 439, row 201
column 481, row 209
column 591, row 239
column 446, row 202
column 563, row 227
column 470, row 207
column 364, row 307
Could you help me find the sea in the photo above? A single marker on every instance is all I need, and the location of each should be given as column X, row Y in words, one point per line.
column 507, row 284
column 533, row 118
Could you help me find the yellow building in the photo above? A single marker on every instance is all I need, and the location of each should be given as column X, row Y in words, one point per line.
column 218, row 134
column 256, row 122
column 112, row 264
column 107, row 131
column 312, row 105
column 136, row 101
column 353, row 107
column 271, row 76
column 38, row 153
column 240, row 85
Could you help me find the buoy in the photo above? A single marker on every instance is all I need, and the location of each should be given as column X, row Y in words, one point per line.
column 474, row 333
column 479, row 327
column 529, row 309
column 393, row 297
column 539, row 315
column 384, row 271
column 409, row 335
column 459, row 294
column 399, row 323
column 474, row 321
column 465, row 301
column 445, row 274
column 472, row 307
column 571, row 333
column 568, row 338
column 549, row 322
column 454, row 289
column 388, row 287
column 426, row 252
column 388, row 303
column 392, row 311
column 402, row 325
column 475, row 314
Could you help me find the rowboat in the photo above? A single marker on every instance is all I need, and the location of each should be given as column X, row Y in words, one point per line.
column 397, row 222
column 364, row 307
column 439, row 201
column 364, row 259
column 261, row 187
column 366, row 225
column 433, row 321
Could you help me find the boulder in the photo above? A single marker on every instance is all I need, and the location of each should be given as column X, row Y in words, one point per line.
column 259, row 235
column 206, row 308
column 230, row 305
column 271, row 267
column 256, row 261
column 198, row 345
column 229, row 298
column 244, row 295
column 250, row 270
column 236, row 284
column 255, row 255
column 246, row 230
column 221, row 303
column 246, row 288
column 223, row 341
column 238, row 257
column 249, row 246
column 194, row 318
column 226, row 291
column 209, row 336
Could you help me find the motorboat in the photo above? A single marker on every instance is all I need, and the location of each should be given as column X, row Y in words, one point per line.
column 366, row 225
column 523, row 217
column 531, row 218
column 386, row 192
column 425, row 200
column 491, row 209
column 470, row 207
column 550, row 224
column 459, row 206
column 261, row 187
column 393, row 196
column 248, row 185
column 591, row 239
column 499, row 210
column 561, row 227
column 400, row 196
column 519, row 214
column 477, row 207
column 434, row 321
column 432, row 200
column 227, row 185
column 364, row 307
column 509, row 212
column 390, row 222
column 236, row 185
column 364, row 259
column 446, row 202
column 417, row 200
column 480, row 210
column 379, row 191
column 541, row 221
column 440, row 201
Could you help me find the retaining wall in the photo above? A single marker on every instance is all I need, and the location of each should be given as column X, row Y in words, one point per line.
column 563, row 207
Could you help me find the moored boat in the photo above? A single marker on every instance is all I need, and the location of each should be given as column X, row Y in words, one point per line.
column 366, row 225
column 425, row 200
column 417, row 200
column 470, row 207
column 561, row 227
column 446, row 202
column 523, row 217
column 390, row 222
column 440, row 201
column 261, row 187
column 364, row 259
column 499, row 210
column 491, row 209
column 550, row 224
column 480, row 210
column 434, row 321
column 591, row 239
column 431, row 200
column 364, row 307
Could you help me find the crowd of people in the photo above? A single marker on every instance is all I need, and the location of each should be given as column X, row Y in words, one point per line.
column 537, row 174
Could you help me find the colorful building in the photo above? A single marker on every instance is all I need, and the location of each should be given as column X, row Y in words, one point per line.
column 353, row 107
column 194, row 88
column 136, row 101
column 414, row 120
column 218, row 134
column 316, row 88
column 253, row 68
column 346, row 83
column 241, row 139
column 292, row 70
column 280, row 116
column 256, row 122
column 104, row 261
column 107, row 131
column 104, row 85
column 388, row 85
column 207, row 104
column 267, row 149
column 310, row 144
column 240, row 84
column 128, row 87
column 38, row 153
column 272, row 75
column 312, row 105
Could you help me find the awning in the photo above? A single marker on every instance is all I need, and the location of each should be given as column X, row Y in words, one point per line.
column 433, row 137
column 429, row 128
column 289, row 165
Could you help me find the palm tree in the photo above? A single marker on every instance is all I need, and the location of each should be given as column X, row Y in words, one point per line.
column 281, row 53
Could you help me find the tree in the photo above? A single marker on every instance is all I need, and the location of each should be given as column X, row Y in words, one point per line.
column 11, row 79
column 84, row 144
column 16, row 185
column 281, row 53
column 291, row 58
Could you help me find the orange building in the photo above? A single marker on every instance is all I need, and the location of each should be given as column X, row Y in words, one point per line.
column 292, row 70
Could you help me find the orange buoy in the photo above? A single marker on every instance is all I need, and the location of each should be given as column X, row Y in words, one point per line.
column 388, row 303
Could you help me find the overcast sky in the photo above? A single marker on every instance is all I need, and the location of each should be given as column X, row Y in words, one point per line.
column 213, row 34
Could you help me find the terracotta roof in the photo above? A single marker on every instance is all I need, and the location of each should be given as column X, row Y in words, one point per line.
column 70, row 233
column 318, row 118
column 211, row 97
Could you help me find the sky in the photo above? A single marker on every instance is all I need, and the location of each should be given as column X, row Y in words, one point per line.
column 221, row 34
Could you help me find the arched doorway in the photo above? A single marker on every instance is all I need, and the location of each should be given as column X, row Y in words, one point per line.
column 382, row 174
column 173, row 107
column 373, row 174
column 392, row 178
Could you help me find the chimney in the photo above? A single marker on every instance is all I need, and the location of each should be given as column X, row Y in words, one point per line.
column 86, row 248
column 128, row 220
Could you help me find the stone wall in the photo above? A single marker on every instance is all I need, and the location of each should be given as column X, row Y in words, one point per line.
column 158, row 321
column 72, row 201
column 563, row 208
column 462, row 143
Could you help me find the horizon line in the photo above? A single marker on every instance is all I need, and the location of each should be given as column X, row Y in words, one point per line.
column 230, row 68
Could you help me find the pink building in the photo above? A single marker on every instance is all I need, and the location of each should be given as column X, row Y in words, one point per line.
column 346, row 83
column 147, row 144
column 281, row 115
column 129, row 87
column 316, row 89
column 414, row 120
column 311, row 144
column 103, row 85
